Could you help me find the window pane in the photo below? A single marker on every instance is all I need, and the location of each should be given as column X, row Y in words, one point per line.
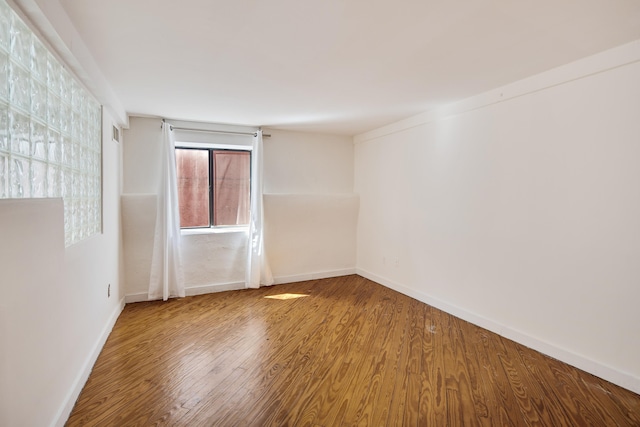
column 192, row 168
column 231, row 187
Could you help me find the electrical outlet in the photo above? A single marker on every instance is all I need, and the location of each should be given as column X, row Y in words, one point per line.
column 109, row 290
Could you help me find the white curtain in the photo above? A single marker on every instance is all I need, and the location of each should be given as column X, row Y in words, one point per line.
column 258, row 271
column 166, row 279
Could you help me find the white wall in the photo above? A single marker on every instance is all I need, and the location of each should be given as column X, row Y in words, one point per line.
column 300, row 170
column 54, row 312
column 307, row 163
column 310, row 209
column 518, row 210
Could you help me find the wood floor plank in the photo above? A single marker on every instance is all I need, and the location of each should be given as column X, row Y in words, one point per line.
column 568, row 385
column 365, row 384
column 399, row 413
column 350, row 352
column 523, row 387
column 433, row 396
column 470, row 369
column 362, row 383
column 302, row 403
column 277, row 354
column 457, row 382
column 501, row 403
column 391, row 351
column 337, row 371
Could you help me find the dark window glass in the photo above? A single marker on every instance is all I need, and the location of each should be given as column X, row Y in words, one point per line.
column 231, row 188
column 192, row 168
column 213, row 187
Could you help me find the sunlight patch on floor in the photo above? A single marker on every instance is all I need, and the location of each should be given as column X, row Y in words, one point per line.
column 286, row 296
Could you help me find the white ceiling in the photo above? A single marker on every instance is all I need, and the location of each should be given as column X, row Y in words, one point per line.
column 334, row 66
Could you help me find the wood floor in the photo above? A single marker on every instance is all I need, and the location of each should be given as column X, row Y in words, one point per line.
column 349, row 352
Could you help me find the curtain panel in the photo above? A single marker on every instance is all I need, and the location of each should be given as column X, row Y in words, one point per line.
column 166, row 279
column 258, row 272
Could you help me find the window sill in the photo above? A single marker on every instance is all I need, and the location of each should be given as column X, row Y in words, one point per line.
column 217, row 230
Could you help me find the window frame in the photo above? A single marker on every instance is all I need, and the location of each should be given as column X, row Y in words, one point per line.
column 210, row 148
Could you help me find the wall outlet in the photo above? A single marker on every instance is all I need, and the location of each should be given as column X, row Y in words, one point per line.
column 109, row 290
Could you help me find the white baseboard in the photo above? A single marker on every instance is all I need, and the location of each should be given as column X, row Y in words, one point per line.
column 139, row 297
column 83, row 375
column 209, row 289
column 234, row 286
column 278, row 280
column 191, row 291
column 615, row 376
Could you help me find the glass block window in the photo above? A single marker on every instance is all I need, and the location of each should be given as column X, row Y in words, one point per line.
column 50, row 130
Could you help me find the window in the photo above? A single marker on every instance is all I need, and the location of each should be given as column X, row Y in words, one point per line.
column 213, row 187
column 50, row 130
